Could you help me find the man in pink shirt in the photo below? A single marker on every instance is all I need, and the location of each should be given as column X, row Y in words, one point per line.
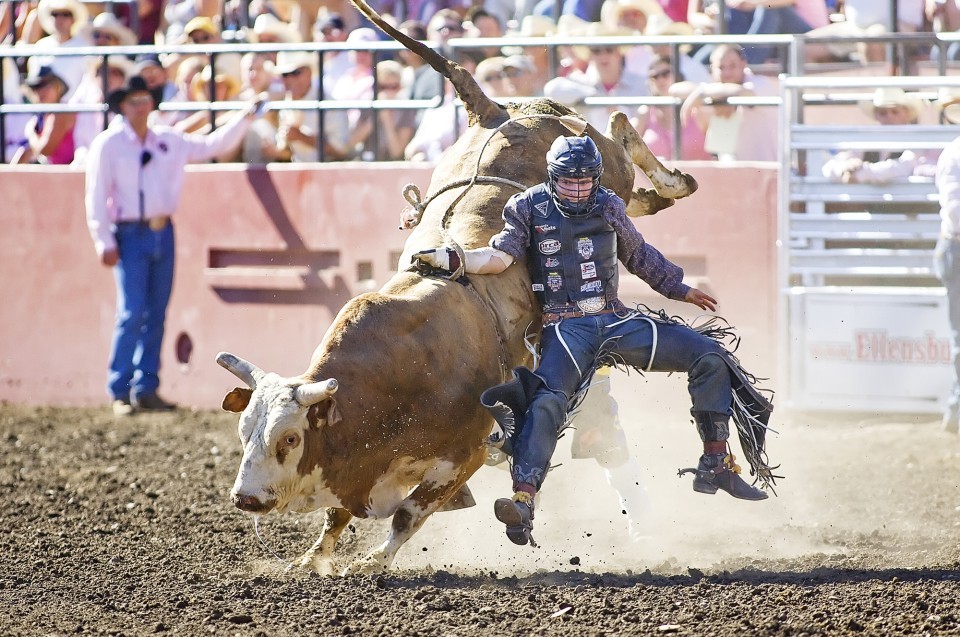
column 133, row 180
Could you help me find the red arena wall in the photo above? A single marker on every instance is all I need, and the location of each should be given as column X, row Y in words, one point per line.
column 267, row 256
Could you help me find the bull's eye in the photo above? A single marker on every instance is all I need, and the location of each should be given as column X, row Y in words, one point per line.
column 291, row 440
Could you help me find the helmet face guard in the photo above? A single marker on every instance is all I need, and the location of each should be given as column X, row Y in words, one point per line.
column 574, row 158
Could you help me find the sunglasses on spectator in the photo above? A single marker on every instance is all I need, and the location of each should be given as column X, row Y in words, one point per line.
column 139, row 100
column 450, row 28
column 389, row 87
column 661, row 73
column 293, row 73
column 105, row 35
column 200, row 37
column 61, row 14
column 603, row 49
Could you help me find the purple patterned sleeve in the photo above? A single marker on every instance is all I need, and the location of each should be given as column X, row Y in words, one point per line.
column 641, row 258
column 514, row 239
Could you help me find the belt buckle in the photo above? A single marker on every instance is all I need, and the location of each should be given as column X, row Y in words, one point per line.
column 592, row 305
column 158, row 223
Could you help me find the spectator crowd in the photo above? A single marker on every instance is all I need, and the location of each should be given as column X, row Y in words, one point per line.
column 699, row 79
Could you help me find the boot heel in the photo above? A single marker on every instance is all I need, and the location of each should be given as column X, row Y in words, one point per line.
column 702, row 486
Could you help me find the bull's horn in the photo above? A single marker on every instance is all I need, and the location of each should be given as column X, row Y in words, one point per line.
column 244, row 370
column 477, row 103
column 573, row 124
column 312, row 393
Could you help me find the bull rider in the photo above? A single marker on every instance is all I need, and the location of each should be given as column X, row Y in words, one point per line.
column 573, row 231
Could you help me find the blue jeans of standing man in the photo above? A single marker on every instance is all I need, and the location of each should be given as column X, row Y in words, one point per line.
column 946, row 264
column 569, row 350
column 144, row 277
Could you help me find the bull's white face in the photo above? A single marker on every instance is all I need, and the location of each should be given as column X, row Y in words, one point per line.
column 275, row 430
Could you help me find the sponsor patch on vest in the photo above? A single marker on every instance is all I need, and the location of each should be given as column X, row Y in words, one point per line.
column 588, row 270
column 544, row 228
column 537, row 287
column 585, row 247
column 551, row 262
column 555, row 281
column 541, row 209
column 549, row 246
column 591, row 286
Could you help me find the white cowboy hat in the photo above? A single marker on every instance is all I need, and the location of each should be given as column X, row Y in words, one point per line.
column 269, row 24
column 117, row 62
column 532, row 26
column 108, row 22
column 289, row 61
column 570, row 25
column 80, row 14
column 661, row 24
column 611, row 9
column 888, row 96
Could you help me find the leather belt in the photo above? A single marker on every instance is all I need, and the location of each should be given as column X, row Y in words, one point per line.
column 154, row 223
column 554, row 313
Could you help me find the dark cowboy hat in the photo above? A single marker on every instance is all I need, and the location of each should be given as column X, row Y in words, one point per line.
column 45, row 75
column 134, row 84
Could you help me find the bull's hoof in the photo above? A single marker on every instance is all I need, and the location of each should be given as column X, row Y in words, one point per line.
column 644, row 202
column 677, row 186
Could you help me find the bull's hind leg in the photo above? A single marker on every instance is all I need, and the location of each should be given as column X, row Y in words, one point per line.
column 437, row 487
column 318, row 557
column 667, row 184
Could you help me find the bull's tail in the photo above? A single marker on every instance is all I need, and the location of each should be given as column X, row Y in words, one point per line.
column 486, row 111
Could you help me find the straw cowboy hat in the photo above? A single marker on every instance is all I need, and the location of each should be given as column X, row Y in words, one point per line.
column 887, row 97
column 227, row 73
column 612, row 9
column 108, row 22
column 269, row 24
column 46, row 7
column 948, row 103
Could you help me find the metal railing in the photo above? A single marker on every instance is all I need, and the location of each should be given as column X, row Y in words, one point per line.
column 790, row 47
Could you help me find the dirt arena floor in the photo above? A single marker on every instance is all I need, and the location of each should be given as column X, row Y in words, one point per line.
column 125, row 528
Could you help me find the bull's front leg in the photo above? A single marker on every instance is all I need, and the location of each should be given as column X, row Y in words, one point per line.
column 667, row 184
column 318, row 557
column 413, row 511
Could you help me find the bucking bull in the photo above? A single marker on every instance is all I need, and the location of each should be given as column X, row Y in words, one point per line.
column 387, row 421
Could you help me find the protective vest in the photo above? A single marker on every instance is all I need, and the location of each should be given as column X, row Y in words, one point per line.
column 571, row 258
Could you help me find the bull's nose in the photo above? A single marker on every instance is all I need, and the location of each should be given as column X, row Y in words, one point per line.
column 250, row 503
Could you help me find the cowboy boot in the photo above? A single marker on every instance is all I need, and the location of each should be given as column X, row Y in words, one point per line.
column 517, row 514
column 720, row 471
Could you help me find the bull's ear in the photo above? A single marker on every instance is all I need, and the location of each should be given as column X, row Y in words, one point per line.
column 333, row 412
column 237, row 399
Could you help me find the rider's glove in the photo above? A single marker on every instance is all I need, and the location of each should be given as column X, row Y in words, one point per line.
column 442, row 258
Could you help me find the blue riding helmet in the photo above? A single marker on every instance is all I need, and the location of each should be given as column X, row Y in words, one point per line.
column 575, row 157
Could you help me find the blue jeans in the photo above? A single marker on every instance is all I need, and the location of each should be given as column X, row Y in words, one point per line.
column 569, row 350
column 946, row 264
column 144, row 277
